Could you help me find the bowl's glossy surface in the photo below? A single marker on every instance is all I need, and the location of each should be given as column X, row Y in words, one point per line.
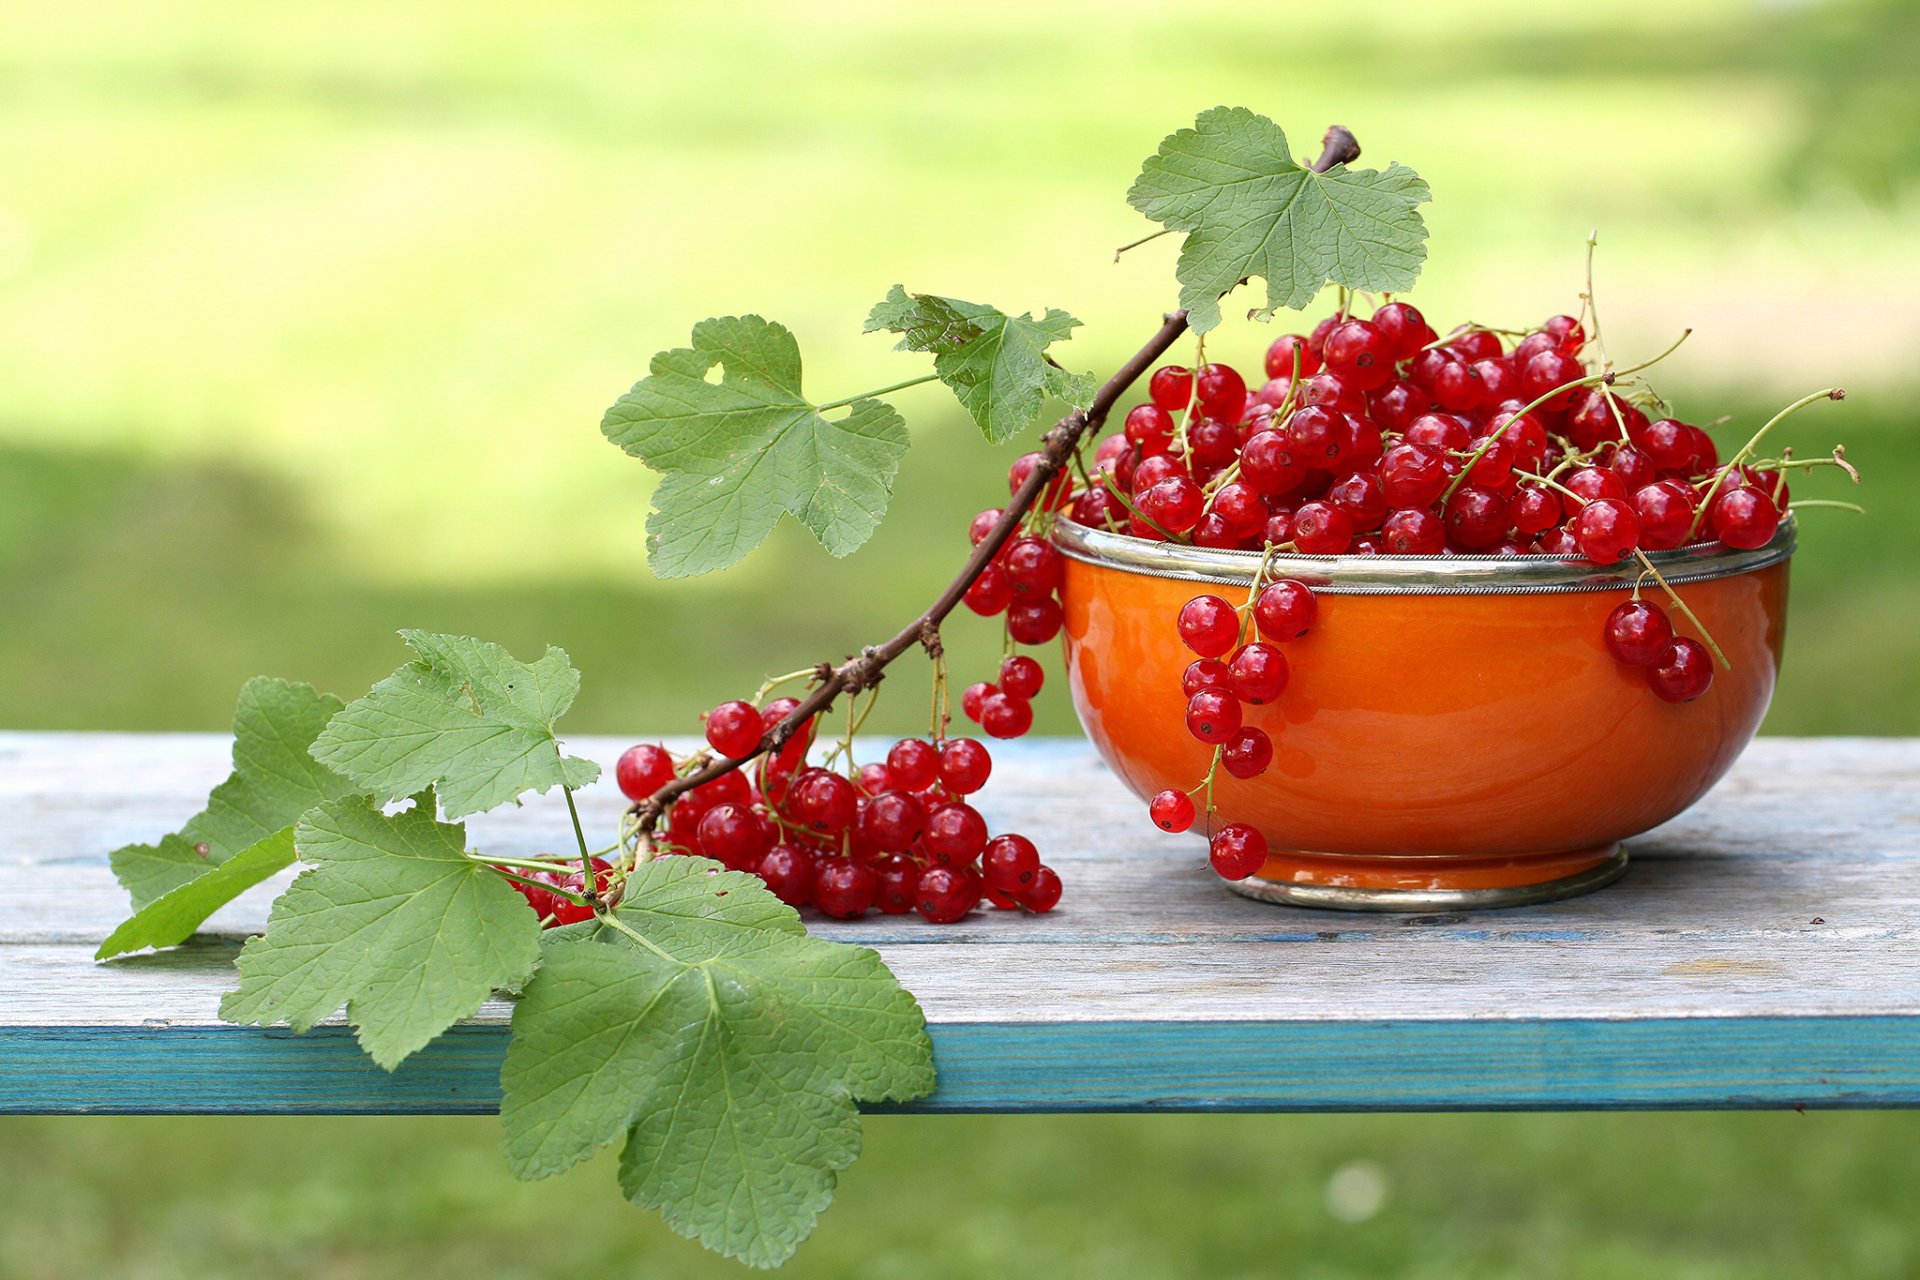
column 1451, row 724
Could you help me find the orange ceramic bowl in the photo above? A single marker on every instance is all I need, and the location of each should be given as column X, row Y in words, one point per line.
column 1454, row 731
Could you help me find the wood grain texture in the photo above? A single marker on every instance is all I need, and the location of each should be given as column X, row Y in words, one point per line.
column 1764, row 950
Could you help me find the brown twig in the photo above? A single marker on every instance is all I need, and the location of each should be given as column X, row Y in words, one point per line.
column 864, row 669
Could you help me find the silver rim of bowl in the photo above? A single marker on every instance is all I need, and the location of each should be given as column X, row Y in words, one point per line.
column 1413, row 575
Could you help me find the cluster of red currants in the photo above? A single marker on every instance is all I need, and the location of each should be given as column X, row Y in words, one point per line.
column 897, row 836
column 1022, row 582
column 1230, row 672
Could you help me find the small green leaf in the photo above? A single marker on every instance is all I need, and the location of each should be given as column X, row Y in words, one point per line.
column 465, row 716
column 995, row 363
column 274, row 781
column 1249, row 209
column 729, row 1048
column 394, row 921
column 735, row 454
column 171, row 918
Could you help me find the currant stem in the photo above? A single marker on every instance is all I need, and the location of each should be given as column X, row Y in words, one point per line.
column 1854, row 507
column 553, row 889
column 586, row 858
column 1671, row 348
column 1682, row 606
column 877, row 391
column 1488, row 443
column 1593, row 307
column 1746, row 451
column 774, row 682
column 1148, row 520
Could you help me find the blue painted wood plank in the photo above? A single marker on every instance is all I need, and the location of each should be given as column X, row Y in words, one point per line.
column 1674, row 1063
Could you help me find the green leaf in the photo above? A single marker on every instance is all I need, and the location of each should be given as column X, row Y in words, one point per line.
column 995, row 363
column 1249, row 209
column 171, row 918
column 729, row 1048
column 734, row 454
column 274, row 781
column 466, row 717
column 393, row 921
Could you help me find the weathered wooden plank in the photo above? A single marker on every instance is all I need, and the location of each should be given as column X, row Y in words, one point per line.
column 1073, row 1066
column 1764, row 950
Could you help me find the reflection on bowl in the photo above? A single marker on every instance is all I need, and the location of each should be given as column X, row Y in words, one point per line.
column 1454, row 733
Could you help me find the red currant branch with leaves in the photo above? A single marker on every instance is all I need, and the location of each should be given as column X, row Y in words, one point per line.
column 667, row 995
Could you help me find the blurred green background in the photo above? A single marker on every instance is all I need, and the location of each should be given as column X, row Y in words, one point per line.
column 308, row 314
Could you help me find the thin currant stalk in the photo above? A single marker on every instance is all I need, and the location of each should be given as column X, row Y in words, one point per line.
column 1746, row 451
column 1835, row 503
column 1246, row 623
column 1682, row 606
column 863, row 669
column 1481, row 452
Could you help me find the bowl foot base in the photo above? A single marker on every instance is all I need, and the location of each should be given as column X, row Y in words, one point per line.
column 1455, row 884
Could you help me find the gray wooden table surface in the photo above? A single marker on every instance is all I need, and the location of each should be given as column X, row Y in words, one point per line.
column 1763, row 950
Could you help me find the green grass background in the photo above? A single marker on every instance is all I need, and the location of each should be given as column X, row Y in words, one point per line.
column 308, row 313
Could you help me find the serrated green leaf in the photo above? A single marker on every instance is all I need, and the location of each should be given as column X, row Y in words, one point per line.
column 173, row 916
column 1249, row 209
column 393, row 921
column 466, row 717
column 729, row 1048
column 735, row 454
column 995, row 363
column 274, row 781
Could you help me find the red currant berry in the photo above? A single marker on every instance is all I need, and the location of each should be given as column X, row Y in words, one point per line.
column 1606, row 529
column 1212, row 443
column 1209, row 626
column 789, row 871
column 955, row 833
column 733, row 729
column 643, row 770
column 1176, row 503
column 983, row 525
column 1595, row 482
column 1281, row 355
column 1404, row 328
column 823, row 802
column 1638, row 633
column 1535, row 509
column 1237, row 851
column 1223, row 393
column 897, row 883
column 1396, row 406
column 1666, row 509
column 1285, row 610
column 1360, row 496
column 1567, row 331
column 1412, row 475
column 1021, row 676
column 893, row 820
column 974, row 701
column 1205, row 673
column 1744, row 517
column 964, row 766
column 565, row 912
column 1477, row 518
column 1259, row 673
column 1415, row 531
column 991, row 592
column 1034, row 620
column 1009, row 863
column 1241, row 507
column 1213, row 716
column 1475, row 344
column 913, row 764
column 732, row 833
column 1682, row 673
column 1321, row 529
column 1044, row 893
column 946, row 894
column 1266, row 464
column 1249, row 754
column 1360, row 353
column 1150, row 429
column 1172, row 811
column 843, row 888
column 1171, row 387
column 1546, row 372
column 1005, row 716
column 1034, row 566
